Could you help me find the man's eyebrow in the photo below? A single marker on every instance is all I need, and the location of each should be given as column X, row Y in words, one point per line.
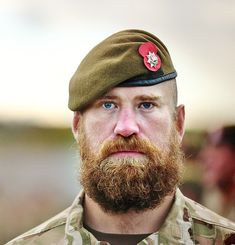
column 105, row 98
column 147, row 98
column 136, row 98
column 109, row 97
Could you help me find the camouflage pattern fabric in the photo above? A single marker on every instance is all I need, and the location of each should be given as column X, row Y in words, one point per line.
column 187, row 223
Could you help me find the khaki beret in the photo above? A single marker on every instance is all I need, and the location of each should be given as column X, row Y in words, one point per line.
column 126, row 58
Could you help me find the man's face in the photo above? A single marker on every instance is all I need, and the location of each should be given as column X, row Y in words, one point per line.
column 129, row 144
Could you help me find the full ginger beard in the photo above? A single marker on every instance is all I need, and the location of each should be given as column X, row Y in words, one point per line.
column 120, row 184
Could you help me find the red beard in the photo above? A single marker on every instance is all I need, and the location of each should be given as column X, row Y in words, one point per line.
column 136, row 183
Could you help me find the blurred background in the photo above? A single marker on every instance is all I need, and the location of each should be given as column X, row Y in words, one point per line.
column 42, row 43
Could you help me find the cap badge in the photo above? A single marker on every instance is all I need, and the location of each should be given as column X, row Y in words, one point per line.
column 152, row 61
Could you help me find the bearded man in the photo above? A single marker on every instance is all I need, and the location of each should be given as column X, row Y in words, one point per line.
column 129, row 129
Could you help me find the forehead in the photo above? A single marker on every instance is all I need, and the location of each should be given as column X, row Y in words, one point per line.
column 161, row 91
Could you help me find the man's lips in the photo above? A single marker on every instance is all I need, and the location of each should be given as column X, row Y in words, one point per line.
column 125, row 153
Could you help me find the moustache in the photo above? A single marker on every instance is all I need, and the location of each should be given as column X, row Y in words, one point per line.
column 133, row 143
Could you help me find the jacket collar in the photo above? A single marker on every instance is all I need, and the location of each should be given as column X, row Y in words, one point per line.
column 169, row 232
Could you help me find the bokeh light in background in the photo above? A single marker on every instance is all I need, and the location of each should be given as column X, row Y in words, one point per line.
column 41, row 45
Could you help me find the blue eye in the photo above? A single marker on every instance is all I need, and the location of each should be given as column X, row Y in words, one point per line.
column 108, row 105
column 146, row 105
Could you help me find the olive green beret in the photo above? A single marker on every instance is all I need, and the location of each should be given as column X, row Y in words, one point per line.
column 127, row 58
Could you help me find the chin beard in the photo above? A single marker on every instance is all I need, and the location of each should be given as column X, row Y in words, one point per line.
column 130, row 183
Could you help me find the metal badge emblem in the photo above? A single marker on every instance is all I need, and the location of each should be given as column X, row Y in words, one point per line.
column 152, row 59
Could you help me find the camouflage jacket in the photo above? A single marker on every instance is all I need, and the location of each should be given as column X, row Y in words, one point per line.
column 187, row 223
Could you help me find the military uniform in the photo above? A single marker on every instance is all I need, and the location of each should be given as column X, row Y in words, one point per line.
column 187, row 223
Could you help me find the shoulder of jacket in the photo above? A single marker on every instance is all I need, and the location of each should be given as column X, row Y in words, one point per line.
column 52, row 223
column 207, row 216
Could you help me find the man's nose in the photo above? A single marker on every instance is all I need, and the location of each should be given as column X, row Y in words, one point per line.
column 126, row 124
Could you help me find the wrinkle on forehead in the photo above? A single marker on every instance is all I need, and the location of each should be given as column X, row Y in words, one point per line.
column 167, row 90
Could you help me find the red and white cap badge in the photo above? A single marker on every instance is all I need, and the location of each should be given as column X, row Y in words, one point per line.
column 152, row 61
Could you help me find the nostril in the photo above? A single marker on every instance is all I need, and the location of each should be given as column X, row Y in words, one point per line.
column 126, row 133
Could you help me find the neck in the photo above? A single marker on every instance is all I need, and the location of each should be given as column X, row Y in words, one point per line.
column 131, row 222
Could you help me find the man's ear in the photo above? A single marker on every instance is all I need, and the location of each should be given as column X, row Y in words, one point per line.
column 76, row 119
column 180, row 118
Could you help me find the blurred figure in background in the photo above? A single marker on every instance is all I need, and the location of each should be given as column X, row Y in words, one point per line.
column 218, row 163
